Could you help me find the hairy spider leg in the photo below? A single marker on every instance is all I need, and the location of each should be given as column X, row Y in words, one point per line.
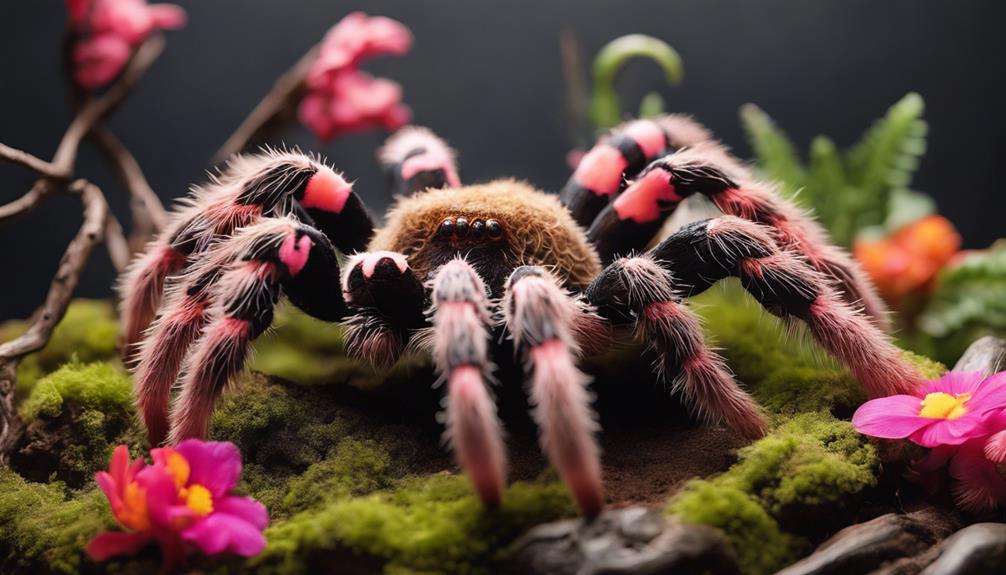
column 460, row 341
column 415, row 159
column 638, row 291
column 388, row 302
column 619, row 155
column 264, row 259
column 250, row 187
column 633, row 218
column 705, row 252
column 542, row 317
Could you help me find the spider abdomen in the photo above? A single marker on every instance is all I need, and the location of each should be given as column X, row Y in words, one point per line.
column 434, row 226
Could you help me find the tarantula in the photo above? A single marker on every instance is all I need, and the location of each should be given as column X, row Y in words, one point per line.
column 453, row 262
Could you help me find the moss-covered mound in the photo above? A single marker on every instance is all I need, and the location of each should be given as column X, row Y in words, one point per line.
column 808, row 471
column 74, row 418
column 350, row 463
column 87, row 333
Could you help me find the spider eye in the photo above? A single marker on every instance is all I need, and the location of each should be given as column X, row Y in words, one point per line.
column 478, row 229
column 494, row 229
column 446, row 228
column 461, row 227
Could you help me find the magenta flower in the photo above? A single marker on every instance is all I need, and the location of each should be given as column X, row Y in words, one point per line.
column 182, row 502
column 978, row 483
column 107, row 31
column 340, row 98
column 946, row 411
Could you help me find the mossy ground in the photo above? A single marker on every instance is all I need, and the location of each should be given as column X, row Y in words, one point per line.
column 349, row 461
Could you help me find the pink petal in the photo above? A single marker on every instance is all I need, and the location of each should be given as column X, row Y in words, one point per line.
column 115, row 543
column 216, row 465
column 949, row 431
column 893, row 417
column 979, row 486
column 991, row 395
column 162, row 494
column 995, row 447
column 220, row 532
column 167, row 16
column 99, row 60
column 108, row 485
column 954, row 382
column 313, row 113
column 78, row 10
column 244, row 508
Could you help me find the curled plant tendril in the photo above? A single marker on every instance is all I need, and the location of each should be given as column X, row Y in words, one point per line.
column 605, row 108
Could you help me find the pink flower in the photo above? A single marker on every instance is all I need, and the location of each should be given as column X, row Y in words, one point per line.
column 978, row 483
column 107, row 32
column 355, row 38
column 182, row 501
column 340, row 98
column 947, row 411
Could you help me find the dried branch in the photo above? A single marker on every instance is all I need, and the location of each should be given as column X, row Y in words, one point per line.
column 116, row 244
column 44, row 320
column 28, row 202
column 148, row 213
column 279, row 101
column 98, row 224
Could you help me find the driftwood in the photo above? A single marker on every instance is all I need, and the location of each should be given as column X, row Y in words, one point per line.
column 57, row 177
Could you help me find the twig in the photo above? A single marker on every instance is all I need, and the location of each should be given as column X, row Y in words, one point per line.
column 278, row 101
column 97, row 226
column 64, row 282
column 115, row 242
column 28, row 202
column 148, row 214
column 95, row 110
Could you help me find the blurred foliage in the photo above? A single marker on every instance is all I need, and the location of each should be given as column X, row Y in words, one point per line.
column 605, row 106
column 969, row 302
column 855, row 190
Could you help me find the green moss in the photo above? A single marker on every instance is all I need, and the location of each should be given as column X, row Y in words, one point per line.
column 433, row 523
column 755, row 535
column 44, row 530
column 74, row 418
column 94, row 386
column 355, row 468
column 805, row 474
column 88, row 333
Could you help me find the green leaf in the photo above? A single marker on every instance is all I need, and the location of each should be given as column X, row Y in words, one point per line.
column 906, row 207
column 825, row 181
column 886, row 158
column 651, row 106
column 775, row 153
column 968, row 302
column 605, row 108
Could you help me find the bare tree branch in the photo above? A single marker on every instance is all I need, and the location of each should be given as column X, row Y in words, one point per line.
column 28, row 202
column 116, row 244
column 148, row 213
column 280, row 100
column 44, row 321
column 98, row 225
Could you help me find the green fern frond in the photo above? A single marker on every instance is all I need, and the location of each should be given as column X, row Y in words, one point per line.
column 887, row 157
column 777, row 157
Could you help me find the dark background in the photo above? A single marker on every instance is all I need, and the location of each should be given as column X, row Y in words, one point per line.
column 487, row 76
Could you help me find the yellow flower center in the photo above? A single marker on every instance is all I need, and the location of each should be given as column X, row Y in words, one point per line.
column 941, row 405
column 198, row 499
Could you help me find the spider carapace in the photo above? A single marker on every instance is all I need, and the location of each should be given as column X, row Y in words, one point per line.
column 561, row 274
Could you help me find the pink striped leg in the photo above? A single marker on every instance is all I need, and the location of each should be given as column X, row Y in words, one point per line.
column 542, row 317
column 638, row 290
column 416, row 159
column 461, row 319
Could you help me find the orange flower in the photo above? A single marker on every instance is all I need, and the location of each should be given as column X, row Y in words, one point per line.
column 907, row 261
